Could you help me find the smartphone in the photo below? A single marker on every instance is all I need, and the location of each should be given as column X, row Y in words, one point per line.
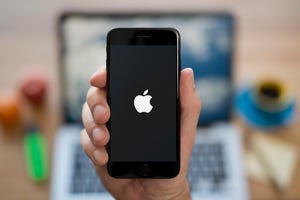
column 143, row 74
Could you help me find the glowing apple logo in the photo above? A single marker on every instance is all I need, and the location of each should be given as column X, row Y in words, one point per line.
column 142, row 103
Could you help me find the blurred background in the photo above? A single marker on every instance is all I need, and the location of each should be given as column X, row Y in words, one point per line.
column 262, row 61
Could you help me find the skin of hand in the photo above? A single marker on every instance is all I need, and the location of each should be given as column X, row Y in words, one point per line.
column 95, row 136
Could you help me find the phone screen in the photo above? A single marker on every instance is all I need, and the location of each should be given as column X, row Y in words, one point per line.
column 143, row 103
column 143, row 96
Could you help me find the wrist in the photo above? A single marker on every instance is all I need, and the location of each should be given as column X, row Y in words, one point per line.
column 185, row 194
column 181, row 193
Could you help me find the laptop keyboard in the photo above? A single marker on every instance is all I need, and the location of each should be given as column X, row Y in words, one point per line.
column 207, row 167
column 84, row 179
column 206, row 171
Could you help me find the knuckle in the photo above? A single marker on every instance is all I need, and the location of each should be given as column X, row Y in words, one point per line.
column 89, row 124
column 83, row 141
column 102, row 119
column 105, row 160
column 104, row 157
column 106, row 138
column 198, row 104
column 107, row 115
column 87, row 119
column 83, row 112
column 90, row 94
column 107, row 134
column 83, row 106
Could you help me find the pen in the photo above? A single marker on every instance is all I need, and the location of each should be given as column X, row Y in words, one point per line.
column 36, row 158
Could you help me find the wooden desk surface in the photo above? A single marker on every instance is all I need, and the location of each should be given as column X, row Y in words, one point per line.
column 268, row 43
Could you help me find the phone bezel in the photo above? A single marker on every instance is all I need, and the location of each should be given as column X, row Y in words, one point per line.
column 145, row 36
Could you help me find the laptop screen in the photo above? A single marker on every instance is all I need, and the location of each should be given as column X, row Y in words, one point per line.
column 206, row 46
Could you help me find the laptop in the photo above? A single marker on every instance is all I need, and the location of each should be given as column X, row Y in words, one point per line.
column 216, row 165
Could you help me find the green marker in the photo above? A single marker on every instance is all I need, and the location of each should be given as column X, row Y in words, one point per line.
column 36, row 158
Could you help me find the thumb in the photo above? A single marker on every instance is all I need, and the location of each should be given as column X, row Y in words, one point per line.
column 190, row 110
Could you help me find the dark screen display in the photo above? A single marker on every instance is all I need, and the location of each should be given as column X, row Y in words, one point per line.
column 142, row 97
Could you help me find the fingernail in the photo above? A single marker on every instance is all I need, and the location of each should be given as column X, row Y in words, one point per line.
column 99, row 111
column 191, row 78
column 97, row 135
column 98, row 156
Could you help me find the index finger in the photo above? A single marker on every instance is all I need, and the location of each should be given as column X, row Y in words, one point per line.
column 98, row 79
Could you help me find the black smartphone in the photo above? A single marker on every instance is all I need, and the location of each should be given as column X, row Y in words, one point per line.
column 143, row 74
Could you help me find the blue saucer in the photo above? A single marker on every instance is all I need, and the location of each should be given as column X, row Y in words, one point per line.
column 257, row 117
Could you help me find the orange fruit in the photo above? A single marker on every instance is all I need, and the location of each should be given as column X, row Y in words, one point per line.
column 9, row 110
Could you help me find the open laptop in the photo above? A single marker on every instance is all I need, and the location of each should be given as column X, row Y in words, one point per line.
column 216, row 165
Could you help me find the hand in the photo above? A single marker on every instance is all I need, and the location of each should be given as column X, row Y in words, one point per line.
column 95, row 136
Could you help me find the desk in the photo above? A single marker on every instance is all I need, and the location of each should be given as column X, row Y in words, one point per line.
column 268, row 43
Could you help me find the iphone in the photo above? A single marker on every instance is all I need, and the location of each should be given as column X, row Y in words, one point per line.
column 143, row 75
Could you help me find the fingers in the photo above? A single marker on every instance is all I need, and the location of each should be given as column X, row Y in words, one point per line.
column 95, row 113
column 96, row 100
column 97, row 133
column 190, row 110
column 190, row 102
column 98, row 79
column 98, row 155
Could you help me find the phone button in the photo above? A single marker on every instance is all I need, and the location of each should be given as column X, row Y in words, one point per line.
column 144, row 170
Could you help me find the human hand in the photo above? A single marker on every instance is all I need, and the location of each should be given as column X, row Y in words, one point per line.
column 95, row 136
